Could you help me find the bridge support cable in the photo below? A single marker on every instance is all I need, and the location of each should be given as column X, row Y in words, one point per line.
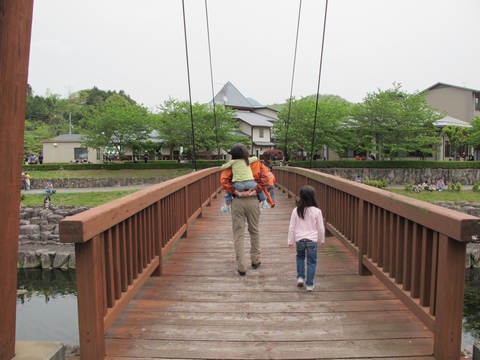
column 287, row 122
column 211, row 81
column 318, row 84
column 194, row 156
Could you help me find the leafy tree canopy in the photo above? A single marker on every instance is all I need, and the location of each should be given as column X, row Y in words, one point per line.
column 119, row 125
column 393, row 123
column 302, row 130
column 212, row 131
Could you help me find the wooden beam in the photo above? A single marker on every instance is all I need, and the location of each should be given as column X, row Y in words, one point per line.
column 15, row 33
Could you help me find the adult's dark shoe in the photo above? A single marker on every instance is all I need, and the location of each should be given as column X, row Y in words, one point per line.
column 242, row 273
column 256, row 265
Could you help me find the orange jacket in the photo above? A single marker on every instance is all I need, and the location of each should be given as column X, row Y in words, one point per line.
column 260, row 175
column 271, row 179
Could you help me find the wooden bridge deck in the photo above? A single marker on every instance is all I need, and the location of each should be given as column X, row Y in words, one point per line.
column 200, row 308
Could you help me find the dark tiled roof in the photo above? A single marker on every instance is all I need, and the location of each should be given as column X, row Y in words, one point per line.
column 230, row 96
column 69, row 137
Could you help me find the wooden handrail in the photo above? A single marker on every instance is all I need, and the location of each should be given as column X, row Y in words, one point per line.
column 120, row 244
column 416, row 249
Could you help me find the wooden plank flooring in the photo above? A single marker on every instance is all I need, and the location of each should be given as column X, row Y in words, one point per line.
column 202, row 309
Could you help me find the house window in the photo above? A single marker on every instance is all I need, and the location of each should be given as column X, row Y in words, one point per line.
column 477, row 102
column 260, row 133
column 80, row 153
column 98, row 154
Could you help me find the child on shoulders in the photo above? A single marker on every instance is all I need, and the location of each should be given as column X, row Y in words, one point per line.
column 242, row 177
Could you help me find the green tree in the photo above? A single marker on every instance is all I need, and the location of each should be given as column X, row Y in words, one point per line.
column 118, row 125
column 393, row 123
column 474, row 137
column 457, row 135
column 332, row 112
column 210, row 133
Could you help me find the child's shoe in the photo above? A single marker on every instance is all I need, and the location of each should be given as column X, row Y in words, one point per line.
column 265, row 204
column 310, row 288
column 225, row 209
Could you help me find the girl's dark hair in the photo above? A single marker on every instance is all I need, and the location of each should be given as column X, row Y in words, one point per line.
column 307, row 198
column 240, row 151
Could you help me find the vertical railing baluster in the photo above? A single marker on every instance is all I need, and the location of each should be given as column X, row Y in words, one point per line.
column 407, row 256
column 416, row 251
column 426, row 269
column 400, row 248
column 449, row 300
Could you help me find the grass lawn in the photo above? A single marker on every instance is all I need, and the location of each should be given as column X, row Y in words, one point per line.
column 76, row 199
column 448, row 195
column 94, row 198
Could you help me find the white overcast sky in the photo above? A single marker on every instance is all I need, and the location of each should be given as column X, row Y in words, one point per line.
column 139, row 47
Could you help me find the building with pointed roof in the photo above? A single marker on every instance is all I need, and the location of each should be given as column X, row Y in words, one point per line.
column 255, row 120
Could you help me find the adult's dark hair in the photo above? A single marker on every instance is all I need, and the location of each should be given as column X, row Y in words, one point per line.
column 240, row 151
column 308, row 198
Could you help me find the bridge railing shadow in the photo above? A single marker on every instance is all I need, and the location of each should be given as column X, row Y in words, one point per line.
column 416, row 249
column 120, row 244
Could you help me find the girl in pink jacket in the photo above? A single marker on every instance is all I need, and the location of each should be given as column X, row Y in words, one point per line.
column 306, row 230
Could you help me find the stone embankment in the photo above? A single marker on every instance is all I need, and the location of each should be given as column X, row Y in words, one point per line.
column 409, row 176
column 39, row 239
column 40, row 246
column 83, row 183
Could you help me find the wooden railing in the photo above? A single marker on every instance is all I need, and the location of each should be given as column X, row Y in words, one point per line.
column 416, row 249
column 120, row 244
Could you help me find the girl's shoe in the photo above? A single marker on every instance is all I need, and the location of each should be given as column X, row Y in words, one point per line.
column 265, row 204
column 300, row 282
column 225, row 208
column 310, row 288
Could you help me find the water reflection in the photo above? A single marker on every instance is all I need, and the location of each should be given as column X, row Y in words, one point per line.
column 47, row 306
column 471, row 313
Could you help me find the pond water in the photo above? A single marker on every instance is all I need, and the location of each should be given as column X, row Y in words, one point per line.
column 47, row 306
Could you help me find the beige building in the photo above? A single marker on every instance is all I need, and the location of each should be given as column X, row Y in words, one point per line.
column 68, row 148
column 459, row 102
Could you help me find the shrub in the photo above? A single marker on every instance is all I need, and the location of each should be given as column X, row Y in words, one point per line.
column 476, row 186
column 408, row 186
column 376, row 183
column 458, row 186
column 451, row 186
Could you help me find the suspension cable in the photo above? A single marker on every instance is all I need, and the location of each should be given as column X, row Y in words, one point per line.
column 318, row 84
column 287, row 123
column 189, row 88
column 211, row 81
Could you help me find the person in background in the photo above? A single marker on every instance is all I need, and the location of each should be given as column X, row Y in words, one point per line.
column 271, row 184
column 27, row 181
column 24, row 181
column 48, row 189
column 440, row 185
column 40, row 158
column 306, row 229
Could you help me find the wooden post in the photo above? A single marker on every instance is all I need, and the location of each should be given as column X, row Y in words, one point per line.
column 449, row 302
column 90, row 299
column 15, row 32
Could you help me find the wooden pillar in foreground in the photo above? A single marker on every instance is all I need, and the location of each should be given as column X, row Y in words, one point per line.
column 15, row 32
